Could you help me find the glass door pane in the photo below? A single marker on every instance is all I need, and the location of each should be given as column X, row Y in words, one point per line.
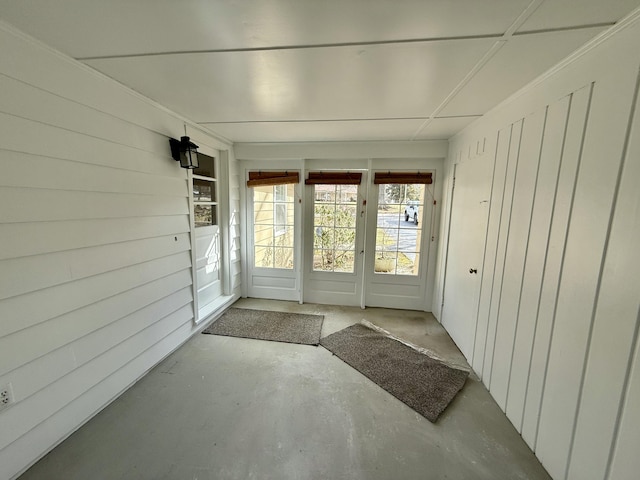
column 399, row 229
column 334, row 227
column 273, row 226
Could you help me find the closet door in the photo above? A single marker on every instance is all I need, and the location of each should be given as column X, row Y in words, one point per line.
column 471, row 195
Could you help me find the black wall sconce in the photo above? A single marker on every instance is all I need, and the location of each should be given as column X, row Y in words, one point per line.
column 185, row 152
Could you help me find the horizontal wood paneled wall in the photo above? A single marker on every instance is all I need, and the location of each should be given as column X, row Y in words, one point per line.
column 556, row 330
column 235, row 244
column 96, row 282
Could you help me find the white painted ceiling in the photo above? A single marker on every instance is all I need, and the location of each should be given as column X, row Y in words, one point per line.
column 320, row 70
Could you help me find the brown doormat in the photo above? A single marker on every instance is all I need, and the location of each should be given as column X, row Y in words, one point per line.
column 422, row 383
column 268, row 325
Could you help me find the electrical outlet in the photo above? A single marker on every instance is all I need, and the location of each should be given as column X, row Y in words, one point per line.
column 6, row 396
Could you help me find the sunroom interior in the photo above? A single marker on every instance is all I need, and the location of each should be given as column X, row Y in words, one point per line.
column 478, row 163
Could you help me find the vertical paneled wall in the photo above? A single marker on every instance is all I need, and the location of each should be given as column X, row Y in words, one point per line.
column 556, row 332
column 94, row 228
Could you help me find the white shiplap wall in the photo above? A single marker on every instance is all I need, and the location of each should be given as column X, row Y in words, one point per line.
column 556, row 331
column 95, row 262
column 235, row 245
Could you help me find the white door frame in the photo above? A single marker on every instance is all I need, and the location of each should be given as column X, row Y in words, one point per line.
column 335, row 288
column 207, row 294
column 304, row 223
column 272, row 283
column 398, row 291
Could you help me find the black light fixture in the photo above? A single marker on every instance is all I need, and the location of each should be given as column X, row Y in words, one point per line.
column 185, row 152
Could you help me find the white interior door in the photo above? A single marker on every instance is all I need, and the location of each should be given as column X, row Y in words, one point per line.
column 334, row 244
column 399, row 225
column 207, row 249
column 468, row 228
column 208, row 281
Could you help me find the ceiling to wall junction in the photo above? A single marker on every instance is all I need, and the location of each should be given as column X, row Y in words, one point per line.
column 308, row 70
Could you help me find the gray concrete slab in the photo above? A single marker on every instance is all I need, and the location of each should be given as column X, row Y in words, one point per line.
column 233, row 408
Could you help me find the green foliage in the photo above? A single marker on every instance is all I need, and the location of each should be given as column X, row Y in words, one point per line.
column 335, row 236
column 400, row 193
column 278, row 254
column 383, row 240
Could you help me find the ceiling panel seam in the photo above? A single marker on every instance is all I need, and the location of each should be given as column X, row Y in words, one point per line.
column 317, row 120
column 517, row 23
column 476, row 68
column 564, row 29
column 351, row 44
column 365, row 43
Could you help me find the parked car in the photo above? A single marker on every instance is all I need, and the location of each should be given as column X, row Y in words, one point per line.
column 411, row 211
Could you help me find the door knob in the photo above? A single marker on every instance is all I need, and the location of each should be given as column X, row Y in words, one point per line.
column 473, row 270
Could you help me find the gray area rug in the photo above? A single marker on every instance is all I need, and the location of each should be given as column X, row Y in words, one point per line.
column 422, row 383
column 268, row 325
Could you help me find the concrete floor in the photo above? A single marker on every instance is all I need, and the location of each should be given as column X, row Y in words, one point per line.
column 233, row 408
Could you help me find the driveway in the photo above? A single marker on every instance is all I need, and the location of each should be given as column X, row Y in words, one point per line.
column 406, row 233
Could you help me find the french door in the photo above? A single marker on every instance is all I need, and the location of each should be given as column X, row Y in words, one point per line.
column 356, row 239
column 400, row 218
column 334, row 242
column 366, row 244
column 273, row 236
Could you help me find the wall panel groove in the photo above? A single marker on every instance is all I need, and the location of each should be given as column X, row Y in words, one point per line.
column 536, row 258
column 36, row 374
column 487, row 259
column 67, row 205
column 34, row 409
column 95, row 229
column 37, row 172
column 605, row 373
column 561, row 311
column 623, row 452
column 42, row 305
column 37, row 238
column 503, row 241
column 586, row 243
column 33, row 103
column 503, row 139
column 27, row 274
column 523, row 199
column 553, row 267
column 16, row 349
column 81, row 408
column 30, row 137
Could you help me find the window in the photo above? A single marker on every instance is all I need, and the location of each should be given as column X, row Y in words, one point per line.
column 204, row 192
column 334, row 227
column 273, row 226
column 399, row 228
column 280, row 210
